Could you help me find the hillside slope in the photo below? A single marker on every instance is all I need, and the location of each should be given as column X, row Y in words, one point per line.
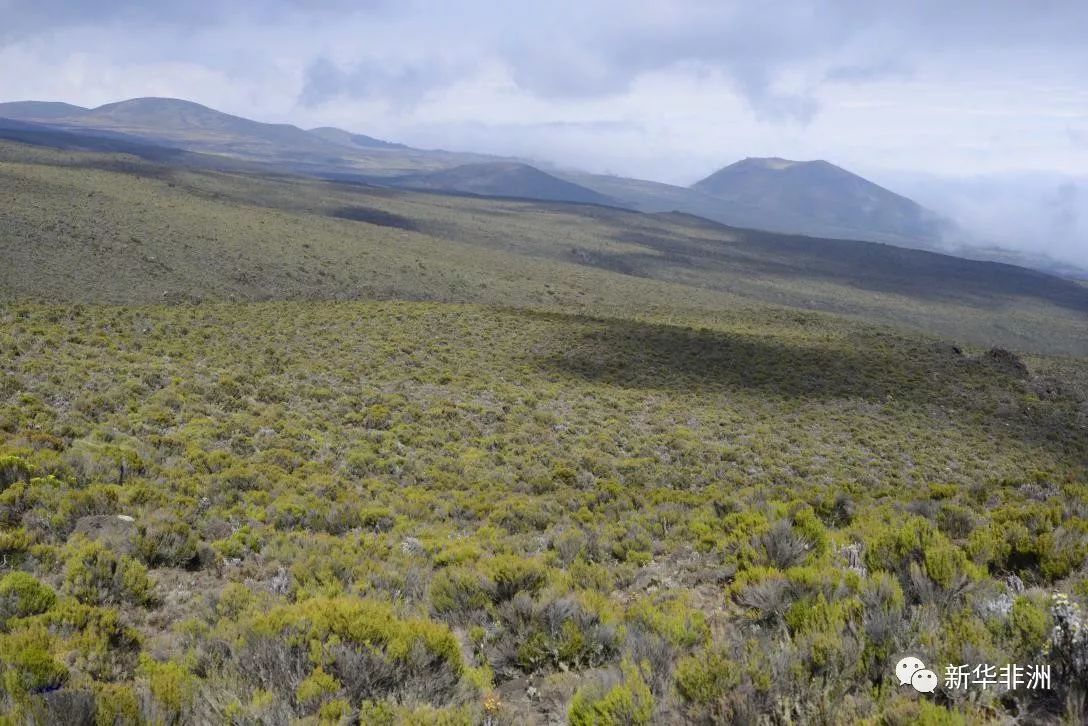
column 503, row 179
column 350, row 453
column 811, row 198
column 194, row 127
column 113, row 228
column 40, row 110
column 346, row 138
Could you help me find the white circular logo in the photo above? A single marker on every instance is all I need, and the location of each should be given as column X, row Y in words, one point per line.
column 906, row 668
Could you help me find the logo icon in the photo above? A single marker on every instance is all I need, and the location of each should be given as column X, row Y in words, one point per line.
column 913, row 671
column 906, row 668
column 924, row 681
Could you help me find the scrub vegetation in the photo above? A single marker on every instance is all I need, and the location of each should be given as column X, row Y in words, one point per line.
column 473, row 510
column 408, row 512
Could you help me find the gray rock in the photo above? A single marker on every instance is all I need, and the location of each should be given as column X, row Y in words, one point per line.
column 117, row 531
column 412, row 546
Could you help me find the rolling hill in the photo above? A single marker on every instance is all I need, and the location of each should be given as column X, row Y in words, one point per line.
column 503, row 179
column 197, row 128
column 117, row 228
column 810, row 198
column 177, row 122
column 346, row 138
column 40, row 110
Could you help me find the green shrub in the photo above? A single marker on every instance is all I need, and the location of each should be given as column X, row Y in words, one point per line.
column 808, row 525
column 1029, row 626
column 239, row 543
column 365, row 646
column 14, row 542
column 362, row 622
column 820, row 615
column 317, row 686
column 95, row 640
column 628, row 703
column 945, row 564
column 335, row 711
column 27, row 662
column 1060, row 552
column 234, row 600
column 93, row 574
column 671, row 618
column 512, row 574
column 171, row 685
column 22, row 595
column 163, row 540
column 705, row 678
column 13, row 469
column 116, row 704
column 896, row 546
column 458, row 591
column 987, row 546
column 920, row 712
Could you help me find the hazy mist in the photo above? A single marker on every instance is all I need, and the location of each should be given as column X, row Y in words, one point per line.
column 1030, row 212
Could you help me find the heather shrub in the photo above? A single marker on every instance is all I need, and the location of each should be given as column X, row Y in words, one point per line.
column 93, row 574
column 27, row 665
column 361, row 643
column 458, row 592
column 562, row 633
column 511, row 574
column 626, row 703
column 22, row 595
column 164, row 540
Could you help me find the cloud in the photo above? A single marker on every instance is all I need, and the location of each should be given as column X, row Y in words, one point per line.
column 568, row 51
column 1030, row 212
column 605, row 58
column 23, row 19
column 869, row 72
column 402, row 85
column 965, row 87
column 1066, row 208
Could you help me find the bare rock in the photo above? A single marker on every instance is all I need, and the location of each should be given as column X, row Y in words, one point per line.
column 117, row 531
column 1006, row 362
column 1049, row 389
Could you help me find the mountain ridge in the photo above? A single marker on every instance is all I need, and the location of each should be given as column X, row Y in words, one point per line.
column 509, row 179
column 811, row 198
column 823, row 191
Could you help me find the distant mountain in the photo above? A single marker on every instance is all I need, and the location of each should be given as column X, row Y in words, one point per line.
column 193, row 127
column 39, row 110
column 504, row 179
column 180, row 122
column 346, row 138
column 137, row 231
column 825, row 195
column 813, row 198
column 112, row 142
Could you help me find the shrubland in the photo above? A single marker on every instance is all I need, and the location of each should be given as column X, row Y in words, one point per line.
column 412, row 512
column 279, row 450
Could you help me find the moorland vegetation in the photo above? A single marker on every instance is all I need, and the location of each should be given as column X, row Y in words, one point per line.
column 540, row 487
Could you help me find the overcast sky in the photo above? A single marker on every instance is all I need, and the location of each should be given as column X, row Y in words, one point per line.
column 668, row 90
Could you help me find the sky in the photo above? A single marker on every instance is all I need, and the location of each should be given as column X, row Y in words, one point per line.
column 953, row 98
